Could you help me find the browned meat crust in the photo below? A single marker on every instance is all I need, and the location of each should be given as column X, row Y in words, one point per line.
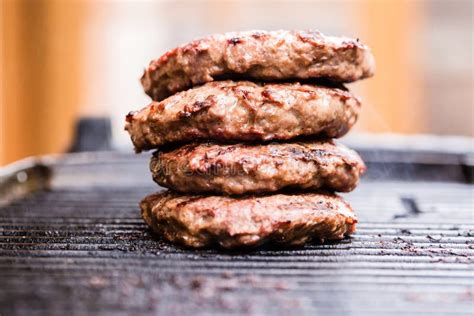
column 244, row 111
column 277, row 55
column 242, row 168
column 248, row 221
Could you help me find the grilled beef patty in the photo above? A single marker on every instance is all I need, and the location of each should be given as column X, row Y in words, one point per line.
column 244, row 111
column 260, row 55
column 248, row 221
column 243, row 168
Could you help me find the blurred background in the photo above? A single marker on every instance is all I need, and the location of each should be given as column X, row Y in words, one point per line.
column 63, row 60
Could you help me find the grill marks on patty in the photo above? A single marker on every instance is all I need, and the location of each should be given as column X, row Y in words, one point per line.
column 243, row 168
column 248, row 221
column 244, row 111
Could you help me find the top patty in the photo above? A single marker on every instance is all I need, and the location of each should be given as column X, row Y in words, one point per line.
column 277, row 55
column 244, row 111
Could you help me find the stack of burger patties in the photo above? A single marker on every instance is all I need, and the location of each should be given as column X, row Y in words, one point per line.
column 242, row 125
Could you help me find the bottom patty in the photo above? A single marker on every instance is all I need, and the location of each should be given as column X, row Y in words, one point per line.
column 248, row 221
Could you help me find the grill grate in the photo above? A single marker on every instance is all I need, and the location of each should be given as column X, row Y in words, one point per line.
column 82, row 246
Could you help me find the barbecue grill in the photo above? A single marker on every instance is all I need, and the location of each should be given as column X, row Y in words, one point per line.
column 71, row 239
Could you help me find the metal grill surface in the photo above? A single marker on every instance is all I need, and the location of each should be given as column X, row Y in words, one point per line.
column 82, row 247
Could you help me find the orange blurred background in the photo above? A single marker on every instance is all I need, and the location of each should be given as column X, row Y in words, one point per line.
column 61, row 60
